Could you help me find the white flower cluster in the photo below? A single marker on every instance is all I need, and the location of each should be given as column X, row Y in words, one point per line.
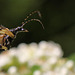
column 44, row 58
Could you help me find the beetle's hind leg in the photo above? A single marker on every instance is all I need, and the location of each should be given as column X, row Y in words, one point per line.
column 2, row 48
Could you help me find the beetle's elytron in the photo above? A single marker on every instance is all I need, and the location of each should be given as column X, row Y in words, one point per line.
column 8, row 35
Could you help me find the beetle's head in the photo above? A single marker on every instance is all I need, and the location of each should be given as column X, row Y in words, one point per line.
column 20, row 29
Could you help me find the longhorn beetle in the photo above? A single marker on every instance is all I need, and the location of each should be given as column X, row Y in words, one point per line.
column 8, row 35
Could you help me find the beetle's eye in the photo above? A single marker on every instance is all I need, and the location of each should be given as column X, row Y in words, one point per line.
column 22, row 29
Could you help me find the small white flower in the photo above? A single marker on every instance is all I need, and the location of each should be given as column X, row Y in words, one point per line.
column 37, row 72
column 56, row 49
column 69, row 64
column 57, row 52
column 23, row 56
column 63, row 71
column 4, row 59
column 43, row 45
column 49, row 73
column 12, row 52
column 22, row 46
column 57, row 69
column 45, row 67
column 33, row 46
column 52, row 60
column 12, row 70
column 39, row 53
column 31, row 63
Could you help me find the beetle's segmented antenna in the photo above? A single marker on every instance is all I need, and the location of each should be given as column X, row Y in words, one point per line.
column 32, row 20
column 27, row 21
column 33, row 13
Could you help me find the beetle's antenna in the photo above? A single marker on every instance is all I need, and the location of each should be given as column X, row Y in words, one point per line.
column 38, row 12
column 24, row 23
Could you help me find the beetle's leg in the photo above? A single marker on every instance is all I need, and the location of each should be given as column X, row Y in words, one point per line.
column 7, row 40
column 3, row 47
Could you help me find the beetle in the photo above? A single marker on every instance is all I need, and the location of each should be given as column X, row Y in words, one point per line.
column 8, row 35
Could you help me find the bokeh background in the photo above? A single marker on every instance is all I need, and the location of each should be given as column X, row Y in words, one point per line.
column 58, row 17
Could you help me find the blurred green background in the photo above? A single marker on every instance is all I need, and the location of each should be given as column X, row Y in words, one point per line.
column 58, row 17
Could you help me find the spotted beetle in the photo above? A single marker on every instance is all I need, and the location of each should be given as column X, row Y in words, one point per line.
column 8, row 35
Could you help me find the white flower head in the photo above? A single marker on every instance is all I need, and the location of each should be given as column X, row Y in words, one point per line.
column 46, row 55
